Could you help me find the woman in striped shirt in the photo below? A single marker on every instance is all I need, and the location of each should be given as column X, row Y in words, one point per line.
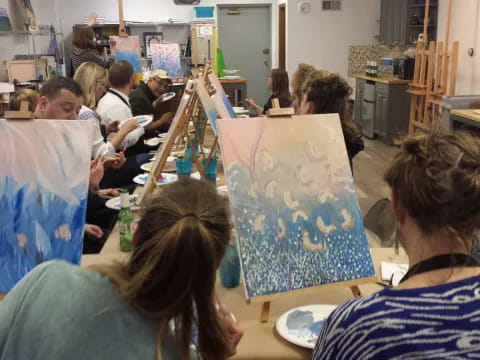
column 435, row 311
column 85, row 50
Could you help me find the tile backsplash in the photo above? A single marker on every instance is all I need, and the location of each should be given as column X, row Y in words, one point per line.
column 358, row 55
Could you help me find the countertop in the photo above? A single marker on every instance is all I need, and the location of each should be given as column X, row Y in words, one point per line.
column 383, row 80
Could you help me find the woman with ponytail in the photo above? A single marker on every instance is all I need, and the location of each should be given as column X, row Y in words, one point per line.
column 432, row 312
column 145, row 308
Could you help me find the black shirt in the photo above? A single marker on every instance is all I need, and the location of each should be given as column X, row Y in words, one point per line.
column 141, row 100
column 284, row 103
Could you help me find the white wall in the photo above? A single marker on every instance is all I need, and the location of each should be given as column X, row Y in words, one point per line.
column 321, row 38
column 73, row 11
column 465, row 27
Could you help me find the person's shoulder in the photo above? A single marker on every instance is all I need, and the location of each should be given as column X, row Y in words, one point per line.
column 86, row 113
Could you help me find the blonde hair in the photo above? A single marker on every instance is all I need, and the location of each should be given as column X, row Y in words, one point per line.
column 179, row 244
column 87, row 76
column 299, row 77
column 29, row 95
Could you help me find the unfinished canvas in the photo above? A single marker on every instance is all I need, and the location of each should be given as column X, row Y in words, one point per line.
column 43, row 194
column 293, row 198
column 167, row 57
column 128, row 49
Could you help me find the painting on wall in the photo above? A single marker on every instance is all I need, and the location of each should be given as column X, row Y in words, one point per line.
column 43, row 194
column 167, row 57
column 128, row 49
column 5, row 24
column 150, row 38
column 294, row 204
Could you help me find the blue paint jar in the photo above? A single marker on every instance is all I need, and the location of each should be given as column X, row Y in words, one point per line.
column 211, row 170
column 230, row 269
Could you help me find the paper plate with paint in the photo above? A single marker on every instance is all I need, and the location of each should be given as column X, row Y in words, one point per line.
column 165, row 179
column 153, row 141
column 143, row 120
column 168, row 96
column 114, row 203
column 169, row 166
column 301, row 326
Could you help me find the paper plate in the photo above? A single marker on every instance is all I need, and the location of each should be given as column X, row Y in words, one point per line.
column 114, row 203
column 143, row 120
column 168, row 96
column 162, row 135
column 153, row 141
column 301, row 326
column 477, row 111
column 231, row 77
column 166, row 179
column 240, row 110
column 169, row 166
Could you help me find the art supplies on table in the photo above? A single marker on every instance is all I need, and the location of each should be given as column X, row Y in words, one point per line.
column 169, row 166
column 166, row 178
column 43, row 193
column 302, row 326
column 293, row 199
column 127, row 48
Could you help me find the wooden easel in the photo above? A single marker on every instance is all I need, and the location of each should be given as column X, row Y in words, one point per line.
column 266, row 300
column 121, row 24
column 22, row 114
column 179, row 131
column 435, row 71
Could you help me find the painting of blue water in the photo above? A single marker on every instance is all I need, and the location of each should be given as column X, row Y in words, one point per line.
column 44, row 175
column 294, row 203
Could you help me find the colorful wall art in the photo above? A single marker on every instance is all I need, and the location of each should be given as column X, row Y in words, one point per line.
column 167, row 57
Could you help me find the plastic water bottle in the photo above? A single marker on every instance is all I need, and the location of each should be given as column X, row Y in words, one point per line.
column 125, row 222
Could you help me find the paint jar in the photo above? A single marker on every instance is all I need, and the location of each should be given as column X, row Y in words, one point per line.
column 184, row 168
column 211, row 170
column 230, row 269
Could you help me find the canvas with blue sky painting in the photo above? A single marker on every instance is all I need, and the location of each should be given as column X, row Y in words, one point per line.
column 167, row 57
column 128, row 48
column 294, row 203
column 44, row 173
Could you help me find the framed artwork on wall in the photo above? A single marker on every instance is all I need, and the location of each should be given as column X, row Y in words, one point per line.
column 150, row 38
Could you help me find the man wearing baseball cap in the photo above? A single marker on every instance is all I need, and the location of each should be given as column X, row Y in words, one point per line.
column 148, row 95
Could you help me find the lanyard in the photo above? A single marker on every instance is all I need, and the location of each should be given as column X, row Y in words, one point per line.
column 441, row 262
column 120, row 97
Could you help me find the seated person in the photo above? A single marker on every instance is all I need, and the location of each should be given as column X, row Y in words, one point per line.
column 145, row 98
column 115, row 105
column 329, row 95
column 123, row 310
column 278, row 84
column 61, row 98
column 299, row 77
column 28, row 95
column 119, row 171
column 433, row 313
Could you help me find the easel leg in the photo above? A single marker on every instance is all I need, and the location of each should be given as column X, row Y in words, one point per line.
column 265, row 312
column 356, row 291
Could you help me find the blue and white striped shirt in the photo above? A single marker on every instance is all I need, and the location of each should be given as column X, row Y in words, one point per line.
column 437, row 322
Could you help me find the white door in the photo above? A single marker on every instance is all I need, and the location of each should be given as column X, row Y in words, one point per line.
column 244, row 35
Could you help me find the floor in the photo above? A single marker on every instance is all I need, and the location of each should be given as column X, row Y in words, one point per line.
column 369, row 167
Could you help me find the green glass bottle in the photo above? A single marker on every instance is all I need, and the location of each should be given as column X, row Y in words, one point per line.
column 125, row 222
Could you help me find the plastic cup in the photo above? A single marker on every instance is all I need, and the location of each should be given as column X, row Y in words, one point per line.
column 184, row 168
column 211, row 170
column 230, row 268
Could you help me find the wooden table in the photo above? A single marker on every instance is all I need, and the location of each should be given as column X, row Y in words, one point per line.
column 260, row 340
column 464, row 116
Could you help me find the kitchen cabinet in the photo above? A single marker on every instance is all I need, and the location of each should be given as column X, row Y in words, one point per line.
column 401, row 21
column 388, row 115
